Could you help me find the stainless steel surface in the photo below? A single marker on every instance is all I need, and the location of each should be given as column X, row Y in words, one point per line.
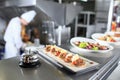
column 105, row 69
column 48, row 71
column 8, row 3
column 53, row 10
column 65, row 35
column 115, row 74
column 19, row 3
column 102, row 11
column 11, row 71
column 62, row 14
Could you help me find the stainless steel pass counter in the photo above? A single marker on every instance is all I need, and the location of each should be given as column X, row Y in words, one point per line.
column 10, row 70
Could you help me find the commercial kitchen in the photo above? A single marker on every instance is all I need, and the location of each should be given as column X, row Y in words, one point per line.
column 68, row 40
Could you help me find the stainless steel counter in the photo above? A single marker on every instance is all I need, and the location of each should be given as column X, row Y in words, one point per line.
column 10, row 70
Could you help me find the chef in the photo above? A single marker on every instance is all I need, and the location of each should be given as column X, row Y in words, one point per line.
column 13, row 33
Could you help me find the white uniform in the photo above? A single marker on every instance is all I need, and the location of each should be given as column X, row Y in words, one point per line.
column 13, row 34
column 13, row 38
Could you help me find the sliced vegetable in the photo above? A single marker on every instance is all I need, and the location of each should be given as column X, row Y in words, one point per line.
column 95, row 48
column 83, row 45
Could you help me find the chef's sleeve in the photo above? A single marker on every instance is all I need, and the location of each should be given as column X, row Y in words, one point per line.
column 17, row 36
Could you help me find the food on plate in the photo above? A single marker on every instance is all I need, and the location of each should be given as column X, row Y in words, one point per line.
column 77, row 43
column 116, row 34
column 48, row 48
column 66, row 56
column 53, row 49
column 107, row 38
column 90, row 46
column 63, row 54
column 118, row 29
column 58, row 51
column 83, row 44
column 77, row 61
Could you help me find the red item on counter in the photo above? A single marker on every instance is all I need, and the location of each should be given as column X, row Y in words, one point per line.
column 113, row 26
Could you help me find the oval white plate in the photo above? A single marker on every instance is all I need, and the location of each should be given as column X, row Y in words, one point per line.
column 95, row 36
column 81, row 39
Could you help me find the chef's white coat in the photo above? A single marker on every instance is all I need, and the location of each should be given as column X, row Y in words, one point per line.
column 13, row 38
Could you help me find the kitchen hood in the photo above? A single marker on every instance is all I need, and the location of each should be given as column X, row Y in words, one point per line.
column 62, row 14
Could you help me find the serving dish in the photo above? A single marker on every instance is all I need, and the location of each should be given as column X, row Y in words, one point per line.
column 90, row 41
column 96, row 37
column 82, row 64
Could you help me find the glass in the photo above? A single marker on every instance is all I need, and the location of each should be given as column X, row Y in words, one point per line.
column 36, row 42
column 49, row 31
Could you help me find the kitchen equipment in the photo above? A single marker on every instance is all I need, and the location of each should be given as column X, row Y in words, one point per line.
column 29, row 59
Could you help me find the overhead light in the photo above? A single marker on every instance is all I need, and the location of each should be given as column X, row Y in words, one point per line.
column 84, row 0
column 60, row 1
column 74, row 3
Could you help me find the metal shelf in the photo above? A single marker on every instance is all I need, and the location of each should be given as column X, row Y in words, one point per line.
column 81, row 25
column 86, row 20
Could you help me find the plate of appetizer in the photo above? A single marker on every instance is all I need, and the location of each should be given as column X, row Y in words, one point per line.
column 67, row 59
column 90, row 45
column 115, row 35
column 108, row 38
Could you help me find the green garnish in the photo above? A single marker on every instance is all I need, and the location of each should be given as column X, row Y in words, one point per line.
column 83, row 44
column 95, row 48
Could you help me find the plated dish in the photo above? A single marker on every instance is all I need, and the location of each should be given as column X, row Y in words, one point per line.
column 106, row 38
column 89, row 45
column 69, row 60
column 116, row 35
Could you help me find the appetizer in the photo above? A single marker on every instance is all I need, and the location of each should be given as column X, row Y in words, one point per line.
column 63, row 54
column 107, row 38
column 68, row 57
column 53, row 49
column 48, row 48
column 73, row 59
column 77, row 61
column 58, row 51
column 90, row 46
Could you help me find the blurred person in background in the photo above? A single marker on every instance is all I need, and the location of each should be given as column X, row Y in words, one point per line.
column 15, row 32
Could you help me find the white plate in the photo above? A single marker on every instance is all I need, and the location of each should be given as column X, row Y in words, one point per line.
column 95, row 36
column 81, row 39
column 88, row 66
